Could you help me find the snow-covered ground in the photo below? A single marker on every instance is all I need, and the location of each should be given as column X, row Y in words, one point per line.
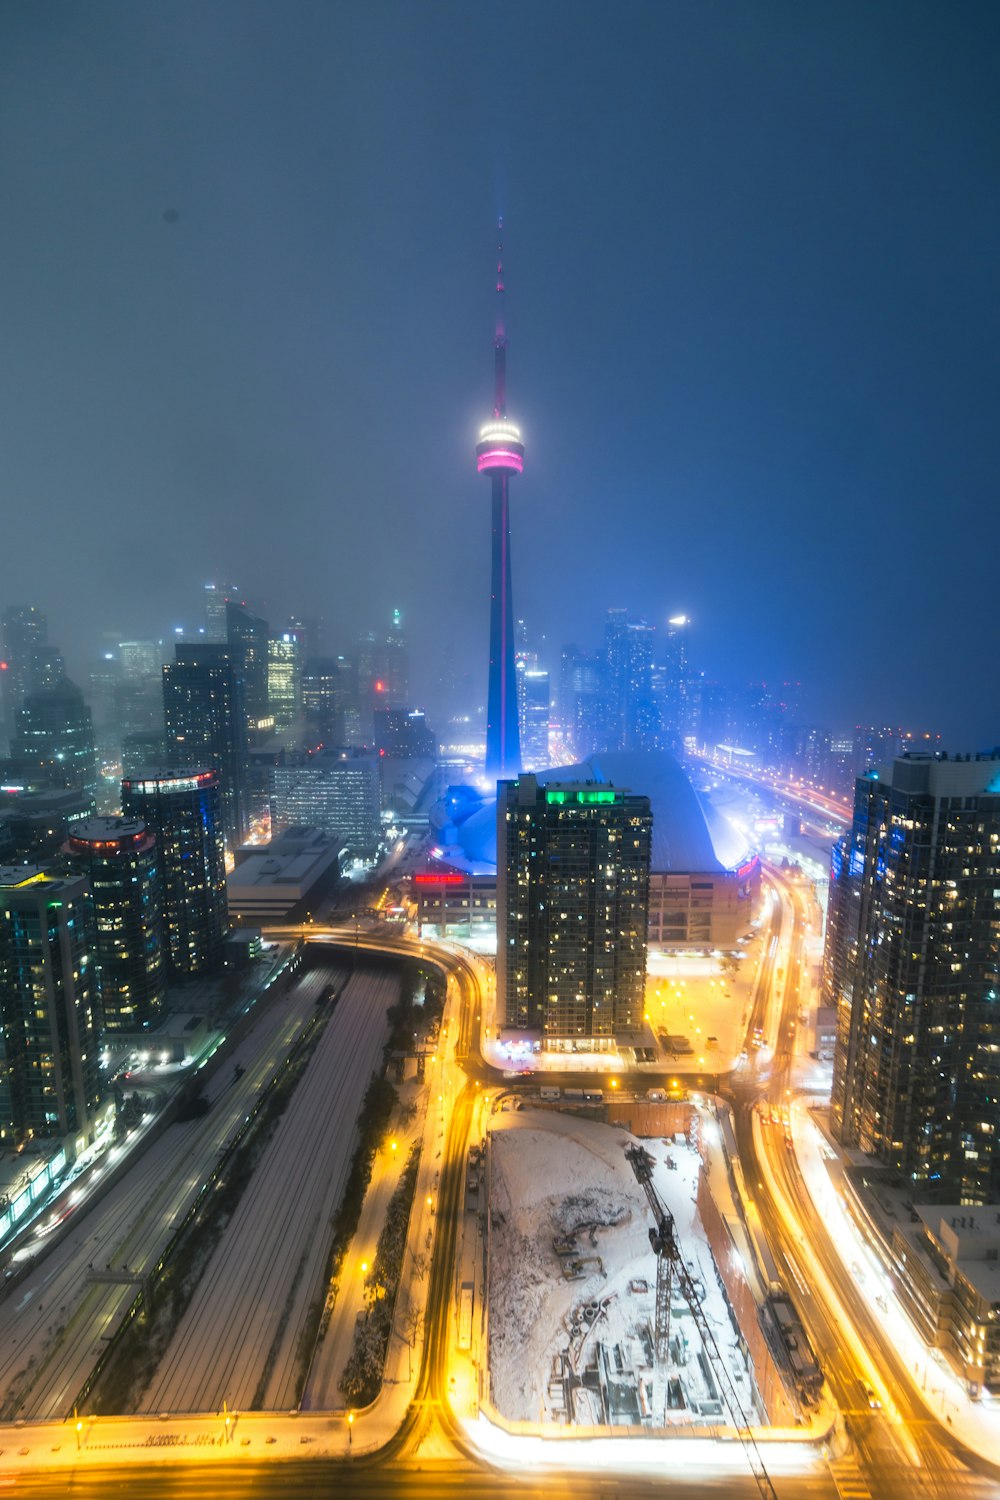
column 571, row 1334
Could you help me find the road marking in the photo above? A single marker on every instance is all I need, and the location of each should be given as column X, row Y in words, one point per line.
column 849, row 1480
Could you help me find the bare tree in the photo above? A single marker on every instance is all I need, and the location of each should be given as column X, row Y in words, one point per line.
column 413, row 1322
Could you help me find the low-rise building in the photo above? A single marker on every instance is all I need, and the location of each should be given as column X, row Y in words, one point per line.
column 270, row 879
column 944, row 1260
column 453, row 903
column 948, row 1259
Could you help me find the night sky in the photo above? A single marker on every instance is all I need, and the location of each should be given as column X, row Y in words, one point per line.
column 753, row 273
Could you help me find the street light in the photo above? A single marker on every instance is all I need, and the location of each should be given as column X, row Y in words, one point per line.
column 350, row 1428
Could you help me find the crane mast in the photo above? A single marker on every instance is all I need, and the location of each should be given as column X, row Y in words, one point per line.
column 670, row 1266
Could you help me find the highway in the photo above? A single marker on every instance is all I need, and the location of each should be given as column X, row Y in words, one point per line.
column 238, row 1341
column 82, row 1289
column 798, row 795
column 900, row 1450
column 433, row 1478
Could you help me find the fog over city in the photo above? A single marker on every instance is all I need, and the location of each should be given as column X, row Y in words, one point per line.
column 247, row 302
column 499, row 749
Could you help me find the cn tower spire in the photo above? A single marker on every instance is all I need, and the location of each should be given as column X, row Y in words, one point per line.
column 500, row 453
column 500, row 339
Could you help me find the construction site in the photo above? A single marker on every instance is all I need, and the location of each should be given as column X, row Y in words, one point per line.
column 607, row 1306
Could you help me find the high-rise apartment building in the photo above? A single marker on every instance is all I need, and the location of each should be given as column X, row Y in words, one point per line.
column 912, row 965
column 118, row 857
column 572, row 908
column 183, row 809
column 206, row 724
column 49, row 1058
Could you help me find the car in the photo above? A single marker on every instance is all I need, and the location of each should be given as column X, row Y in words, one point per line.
column 872, row 1399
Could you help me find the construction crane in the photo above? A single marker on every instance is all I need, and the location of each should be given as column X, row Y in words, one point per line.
column 670, row 1267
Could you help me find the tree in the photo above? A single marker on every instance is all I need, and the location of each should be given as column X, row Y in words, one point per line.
column 412, row 1324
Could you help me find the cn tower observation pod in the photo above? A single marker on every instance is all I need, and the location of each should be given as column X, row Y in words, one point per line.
column 500, row 448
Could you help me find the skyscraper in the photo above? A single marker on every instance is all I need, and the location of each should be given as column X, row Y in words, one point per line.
column 912, row 964
column 206, row 724
column 55, row 736
column 500, row 453
column 327, row 689
column 581, row 700
column 572, row 909
column 535, row 740
column 49, row 1062
column 119, row 858
column 672, row 685
column 247, row 635
column 25, row 630
column 217, row 596
column 284, row 679
column 631, row 714
column 182, row 808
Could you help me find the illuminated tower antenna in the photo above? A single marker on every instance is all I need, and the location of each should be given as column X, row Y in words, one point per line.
column 500, row 453
column 500, row 338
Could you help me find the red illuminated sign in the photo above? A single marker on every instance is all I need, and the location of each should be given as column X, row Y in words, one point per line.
column 446, row 877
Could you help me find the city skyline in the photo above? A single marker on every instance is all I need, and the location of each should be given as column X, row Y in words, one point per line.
column 777, row 368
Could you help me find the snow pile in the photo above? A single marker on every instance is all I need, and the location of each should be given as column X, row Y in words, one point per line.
column 572, row 1277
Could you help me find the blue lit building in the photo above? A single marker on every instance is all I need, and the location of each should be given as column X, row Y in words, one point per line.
column 704, row 879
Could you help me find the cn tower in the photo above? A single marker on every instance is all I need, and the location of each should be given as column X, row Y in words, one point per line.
column 500, row 453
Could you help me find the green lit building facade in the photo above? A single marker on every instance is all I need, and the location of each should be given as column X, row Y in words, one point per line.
column 572, row 910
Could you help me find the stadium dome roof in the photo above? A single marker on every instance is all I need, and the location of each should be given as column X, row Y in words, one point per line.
column 689, row 835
